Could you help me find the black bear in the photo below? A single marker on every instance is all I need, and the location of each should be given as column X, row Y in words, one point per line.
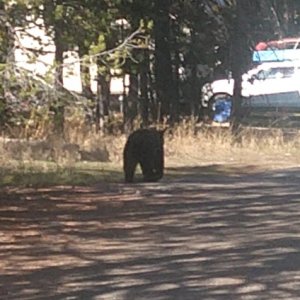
column 144, row 147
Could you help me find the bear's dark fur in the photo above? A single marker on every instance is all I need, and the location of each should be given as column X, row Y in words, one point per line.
column 144, row 147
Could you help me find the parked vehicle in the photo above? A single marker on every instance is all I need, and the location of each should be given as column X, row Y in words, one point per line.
column 270, row 86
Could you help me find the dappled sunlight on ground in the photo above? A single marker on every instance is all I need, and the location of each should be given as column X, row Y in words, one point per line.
column 208, row 232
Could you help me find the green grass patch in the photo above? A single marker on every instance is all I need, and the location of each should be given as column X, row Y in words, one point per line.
column 40, row 174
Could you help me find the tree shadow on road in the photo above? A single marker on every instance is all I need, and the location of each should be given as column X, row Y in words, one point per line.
column 201, row 233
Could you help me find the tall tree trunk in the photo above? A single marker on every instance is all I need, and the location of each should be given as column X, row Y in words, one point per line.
column 7, row 57
column 99, row 105
column 194, row 93
column 132, row 101
column 59, row 47
column 106, row 94
column 174, row 107
column 239, row 57
column 85, row 76
column 126, row 118
column 8, row 36
column 59, row 59
column 99, row 108
column 102, row 101
column 59, row 107
column 163, row 64
column 144, row 98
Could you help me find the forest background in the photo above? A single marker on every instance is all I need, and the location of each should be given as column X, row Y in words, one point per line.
column 167, row 50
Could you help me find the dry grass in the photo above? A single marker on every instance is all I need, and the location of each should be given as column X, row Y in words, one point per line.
column 217, row 145
column 185, row 145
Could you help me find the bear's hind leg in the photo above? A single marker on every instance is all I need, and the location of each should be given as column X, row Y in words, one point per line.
column 149, row 174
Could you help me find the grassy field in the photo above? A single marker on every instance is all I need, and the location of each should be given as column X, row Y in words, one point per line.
column 184, row 146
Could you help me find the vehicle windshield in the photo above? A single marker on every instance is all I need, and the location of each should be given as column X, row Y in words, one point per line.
column 276, row 73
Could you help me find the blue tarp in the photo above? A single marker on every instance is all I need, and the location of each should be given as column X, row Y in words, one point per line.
column 275, row 55
column 222, row 110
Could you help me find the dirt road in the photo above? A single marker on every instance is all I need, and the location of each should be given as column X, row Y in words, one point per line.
column 206, row 234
